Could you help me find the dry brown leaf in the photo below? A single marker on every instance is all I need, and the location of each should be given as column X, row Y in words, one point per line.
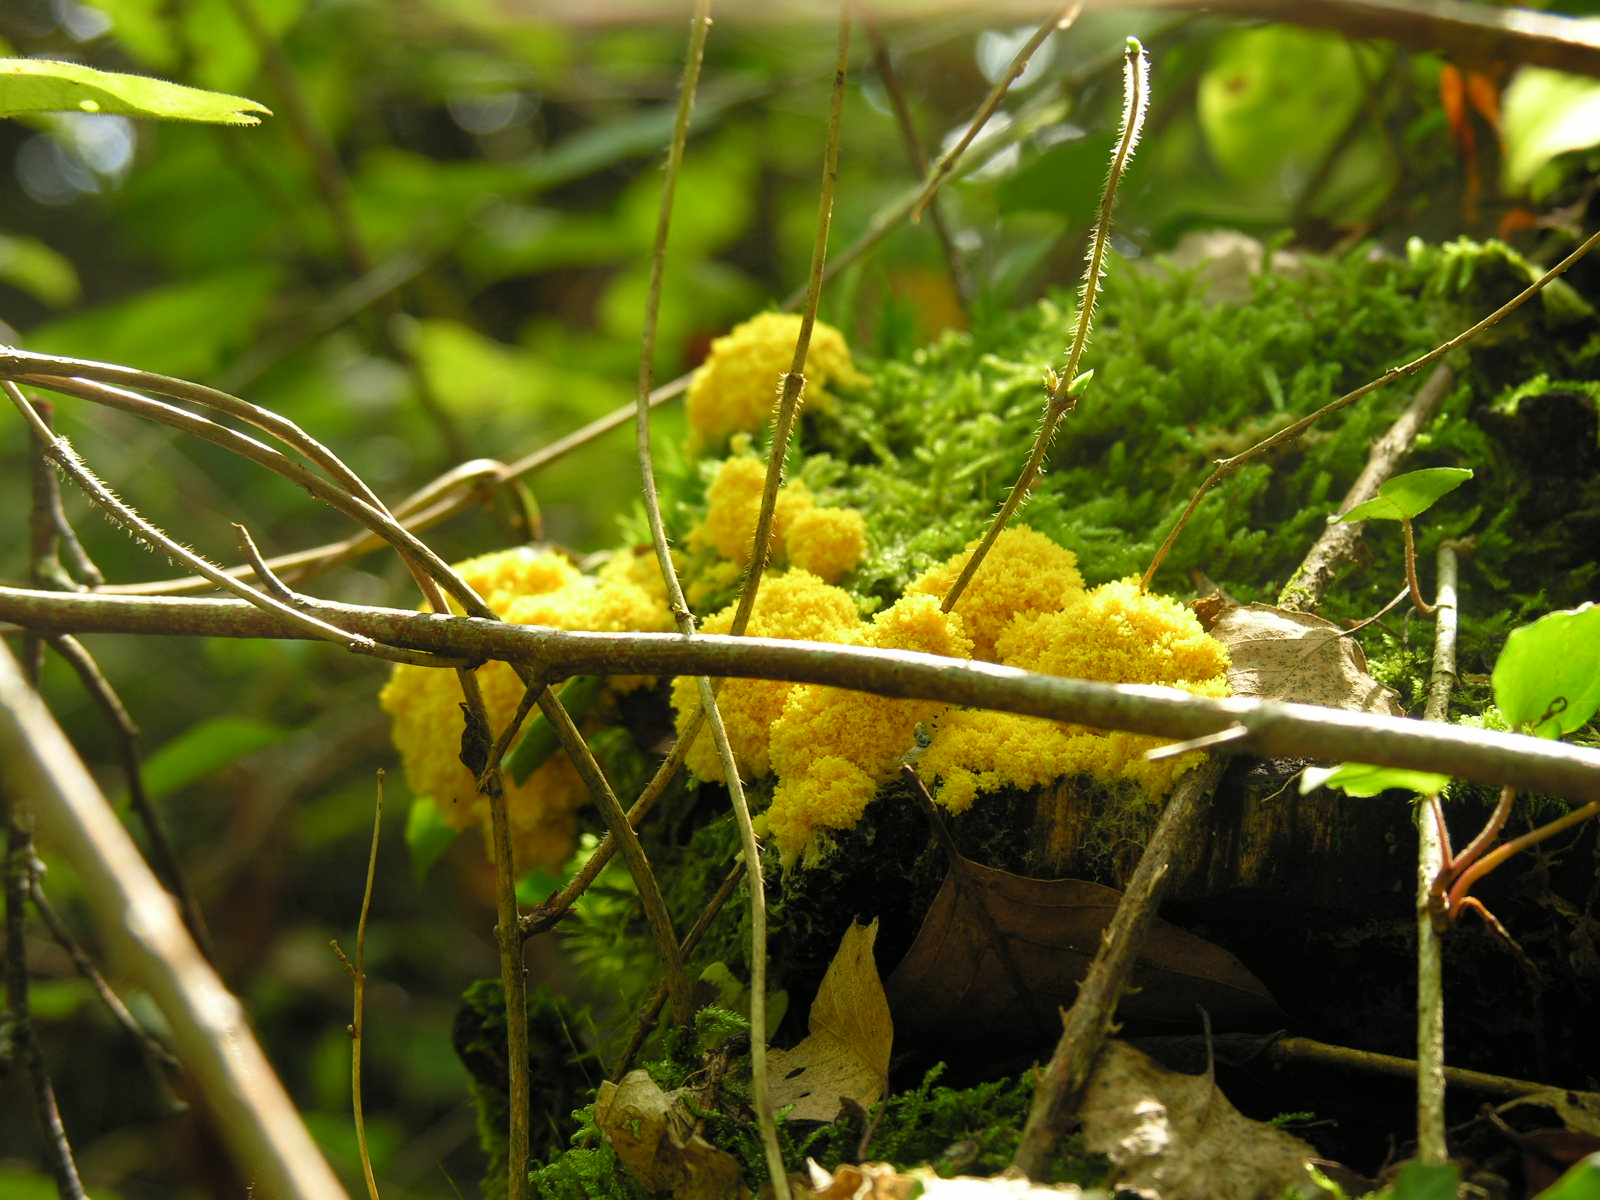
column 846, row 1054
column 881, row 1181
column 1177, row 1135
column 1298, row 657
column 999, row 955
column 653, row 1134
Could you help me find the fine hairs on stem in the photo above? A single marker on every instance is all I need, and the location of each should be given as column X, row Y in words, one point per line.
column 1067, row 386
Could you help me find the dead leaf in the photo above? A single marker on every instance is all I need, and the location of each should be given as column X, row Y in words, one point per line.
column 881, row 1181
column 846, row 1054
column 1178, row 1136
column 999, row 955
column 653, row 1134
column 1298, row 657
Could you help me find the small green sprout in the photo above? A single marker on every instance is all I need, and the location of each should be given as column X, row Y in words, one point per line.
column 1404, row 498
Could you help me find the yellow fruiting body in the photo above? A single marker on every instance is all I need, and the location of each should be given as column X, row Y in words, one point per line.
column 735, row 389
column 823, row 727
column 828, row 542
column 795, row 605
column 1114, row 633
column 528, row 587
column 1024, row 571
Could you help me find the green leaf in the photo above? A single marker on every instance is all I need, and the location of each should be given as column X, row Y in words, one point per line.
column 1547, row 681
column 30, row 85
column 539, row 739
column 1546, row 114
column 1409, row 495
column 427, row 836
column 203, row 749
column 1421, row 1181
column 1360, row 779
column 1581, row 1182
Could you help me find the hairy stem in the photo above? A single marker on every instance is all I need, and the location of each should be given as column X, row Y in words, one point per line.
column 1063, row 396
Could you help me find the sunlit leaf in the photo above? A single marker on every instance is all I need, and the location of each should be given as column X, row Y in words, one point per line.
column 1409, row 495
column 1360, row 779
column 205, row 748
column 1545, row 114
column 539, row 740
column 43, row 85
column 1547, row 681
column 1581, row 1182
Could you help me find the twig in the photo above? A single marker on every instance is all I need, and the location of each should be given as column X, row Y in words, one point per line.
column 358, row 978
column 60, row 453
column 676, row 984
column 209, row 1033
column 655, row 908
column 1019, row 64
column 47, row 523
column 158, row 1056
column 1280, row 730
column 1336, row 546
column 1227, row 466
column 1299, row 1049
column 1064, row 393
column 1431, row 862
column 555, row 909
column 1088, row 1022
column 794, row 379
column 24, row 1039
column 507, row 921
column 127, row 741
column 652, row 1009
column 884, row 64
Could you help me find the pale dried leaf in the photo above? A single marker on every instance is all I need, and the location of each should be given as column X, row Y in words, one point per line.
column 846, row 1054
column 652, row 1132
column 880, row 1181
column 1178, row 1136
column 1293, row 656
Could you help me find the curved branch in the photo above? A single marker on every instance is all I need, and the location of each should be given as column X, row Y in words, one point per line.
column 1274, row 729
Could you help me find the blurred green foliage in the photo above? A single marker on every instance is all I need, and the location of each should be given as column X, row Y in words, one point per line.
column 437, row 249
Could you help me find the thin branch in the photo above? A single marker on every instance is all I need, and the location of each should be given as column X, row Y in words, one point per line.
column 1227, row 466
column 555, row 909
column 658, row 998
column 126, row 737
column 883, row 62
column 158, row 1056
column 655, row 907
column 1431, row 863
column 991, row 102
column 208, row 1029
column 1063, row 395
column 24, row 1039
column 1088, row 1023
column 1299, row 1049
column 794, row 380
column 1336, row 546
column 59, row 452
column 358, row 978
column 1277, row 730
